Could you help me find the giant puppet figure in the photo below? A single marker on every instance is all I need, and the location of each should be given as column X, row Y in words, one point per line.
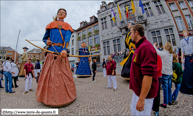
column 83, row 67
column 129, row 44
column 56, row 86
column 24, row 59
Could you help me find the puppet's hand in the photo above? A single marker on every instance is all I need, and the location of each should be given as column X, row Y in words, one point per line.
column 63, row 53
column 49, row 43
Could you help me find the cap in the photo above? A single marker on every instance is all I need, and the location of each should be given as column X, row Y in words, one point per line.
column 132, row 22
column 25, row 48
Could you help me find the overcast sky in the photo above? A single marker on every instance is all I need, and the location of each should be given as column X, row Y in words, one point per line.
column 31, row 17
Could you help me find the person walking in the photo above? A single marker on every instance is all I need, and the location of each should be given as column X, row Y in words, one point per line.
column 8, row 75
column 111, row 73
column 167, row 71
column 29, row 72
column 94, row 70
column 143, row 73
column 14, row 77
column 156, row 101
column 177, row 78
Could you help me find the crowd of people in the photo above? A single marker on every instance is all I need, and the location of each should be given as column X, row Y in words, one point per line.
column 11, row 75
column 150, row 68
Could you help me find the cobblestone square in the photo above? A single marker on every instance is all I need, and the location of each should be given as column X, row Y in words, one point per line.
column 93, row 99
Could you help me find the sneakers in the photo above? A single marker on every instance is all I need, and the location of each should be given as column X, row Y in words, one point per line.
column 12, row 92
column 114, row 89
column 30, row 90
column 25, row 92
column 156, row 113
column 108, row 87
column 94, row 81
column 174, row 102
column 170, row 103
column 163, row 106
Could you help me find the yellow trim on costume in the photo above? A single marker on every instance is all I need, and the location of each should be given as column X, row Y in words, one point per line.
column 130, row 44
column 124, row 61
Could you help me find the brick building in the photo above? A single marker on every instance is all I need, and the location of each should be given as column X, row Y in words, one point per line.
column 182, row 14
column 36, row 54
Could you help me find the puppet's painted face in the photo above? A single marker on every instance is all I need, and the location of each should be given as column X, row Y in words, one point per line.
column 83, row 45
column 61, row 14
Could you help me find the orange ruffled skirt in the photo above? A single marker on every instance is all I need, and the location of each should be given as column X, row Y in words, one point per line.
column 56, row 86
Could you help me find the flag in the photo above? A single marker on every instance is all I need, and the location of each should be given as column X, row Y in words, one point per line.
column 127, row 11
column 112, row 15
column 132, row 7
column 119, row 12
column 141, row 5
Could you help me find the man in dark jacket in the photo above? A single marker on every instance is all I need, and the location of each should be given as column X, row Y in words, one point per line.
column 94, row 67
column 37, row 68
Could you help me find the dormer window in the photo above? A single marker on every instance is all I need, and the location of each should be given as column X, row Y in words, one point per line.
column 92, row 19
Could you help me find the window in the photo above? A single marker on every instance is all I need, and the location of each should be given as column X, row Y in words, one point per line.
column 90, row 41
column 159, row 7
column 189, row 21
column 72, row 51
column 90, row 29
column 79, row 44
column 170, row 36
column 104, row 23
column 96, row 39
column 106, row 48
column 96, row 27
column 79, row 34
column 190, row 2
column 34, row 56
column 116, row 45
column 179, row 23
column 31, row 56
column 112, row 22
column 82, row 24
column 37, row 56
column 131, row 17
column 72, row 35
column 148, row 10
column 103, row 8
column 72, row 42
column 156, row 35
column 84, row 40
column 92, row 19
column 173, row 6
column 84, row 32
column 181, row 4
column 111, row 5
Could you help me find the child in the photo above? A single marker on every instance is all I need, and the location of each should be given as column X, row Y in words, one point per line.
column 177, row 78
column 37, row 78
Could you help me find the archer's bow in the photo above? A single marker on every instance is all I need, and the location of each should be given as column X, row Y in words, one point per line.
column 59, row 53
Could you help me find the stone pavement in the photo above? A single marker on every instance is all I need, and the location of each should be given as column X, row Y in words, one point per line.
column 93, row 99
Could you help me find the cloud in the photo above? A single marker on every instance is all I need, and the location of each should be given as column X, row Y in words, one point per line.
column 31, row 17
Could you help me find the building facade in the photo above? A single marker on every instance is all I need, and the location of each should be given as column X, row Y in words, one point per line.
column 72, row 47
column 182, row 14
column 8, row 51
column 36, row 54
column 88, row 32
column 157, row 21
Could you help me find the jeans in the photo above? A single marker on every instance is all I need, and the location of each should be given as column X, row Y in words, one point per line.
column 175, row 93
column 166, row 85
column 8, row 78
